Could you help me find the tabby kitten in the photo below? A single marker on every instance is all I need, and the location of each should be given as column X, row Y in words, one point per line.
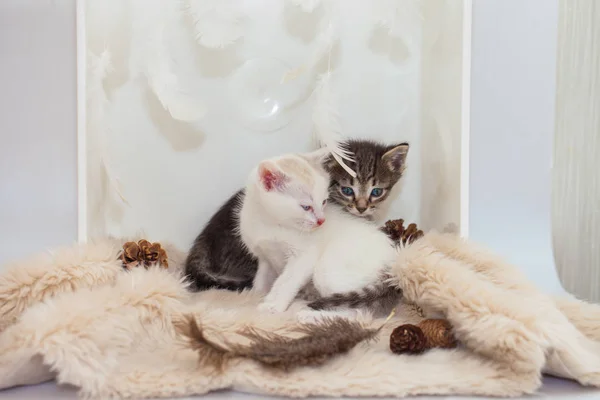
column 219, row 259
column 378, row 168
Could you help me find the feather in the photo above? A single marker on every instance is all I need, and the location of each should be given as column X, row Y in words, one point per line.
column 100, row 173
column 326, row 125
column 151, row 19
column 401, row 18
column 307, row 6
column 209, row 352
column 217, row 23
column 323, row 45
column 320, row 342
column 325, row 117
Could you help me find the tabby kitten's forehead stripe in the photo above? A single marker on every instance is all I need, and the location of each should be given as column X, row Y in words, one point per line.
column 378, row 167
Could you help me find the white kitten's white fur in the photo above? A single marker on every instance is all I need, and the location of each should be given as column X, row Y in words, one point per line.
column 344, row 254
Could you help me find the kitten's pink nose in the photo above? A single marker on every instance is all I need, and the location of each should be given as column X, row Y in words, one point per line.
column 320, row 221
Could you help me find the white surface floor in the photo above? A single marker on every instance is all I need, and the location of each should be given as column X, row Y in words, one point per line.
column 556, row 389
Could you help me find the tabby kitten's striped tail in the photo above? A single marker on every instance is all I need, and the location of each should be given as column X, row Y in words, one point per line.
column 380, row 294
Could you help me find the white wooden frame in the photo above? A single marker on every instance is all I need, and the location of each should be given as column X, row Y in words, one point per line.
column 81, row 125
column 465, row 117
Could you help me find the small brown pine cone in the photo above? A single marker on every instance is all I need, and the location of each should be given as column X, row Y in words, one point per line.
column 153, row 253
column 411, row 234
column 396, row 231
column 144, row 247
column 130, row 256
column 407, row 339
column 162, row 258
column 394, row 228
column 143, row 253
column 438, row 333
column 156, row 254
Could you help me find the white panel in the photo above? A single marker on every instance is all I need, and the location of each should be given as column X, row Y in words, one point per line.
column 441, row 110
column 38, row 205
column 576, row 178
column 512, row 128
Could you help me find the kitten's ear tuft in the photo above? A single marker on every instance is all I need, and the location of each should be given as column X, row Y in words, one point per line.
column 270, row 176
column 395, row 158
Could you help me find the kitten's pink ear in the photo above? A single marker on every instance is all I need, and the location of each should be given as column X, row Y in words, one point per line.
column 271, row 177
column 395, row 159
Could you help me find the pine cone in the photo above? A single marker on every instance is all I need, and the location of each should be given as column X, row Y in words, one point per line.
column 394, row 229
column 143, row 252
column 407, row 338
column 144, row 245
column 155, row 253
column 398, row 233
column 438, row 333
column 130, row 256
column 411, row 234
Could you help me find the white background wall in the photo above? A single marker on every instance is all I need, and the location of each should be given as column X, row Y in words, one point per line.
column 38, row 192
column 512, row 131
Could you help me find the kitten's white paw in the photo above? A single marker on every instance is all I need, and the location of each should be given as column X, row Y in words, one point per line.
column 270, row 307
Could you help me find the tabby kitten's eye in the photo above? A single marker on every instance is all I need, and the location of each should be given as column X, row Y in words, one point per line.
column 306, row 208
column 377, row 192
column 347, row 191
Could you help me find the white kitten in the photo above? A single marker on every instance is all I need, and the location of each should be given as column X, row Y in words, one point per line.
column 285, row 200
column 280, row 222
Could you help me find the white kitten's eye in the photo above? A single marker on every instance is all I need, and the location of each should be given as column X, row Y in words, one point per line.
column 324, row 201
column 306, row 208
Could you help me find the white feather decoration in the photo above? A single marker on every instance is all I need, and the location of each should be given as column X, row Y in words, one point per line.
column 324, row 42
column 151, row 18
column 217, row 23
column 326, row 125
column 401, row 18
column 100, row 173
column 307, row 6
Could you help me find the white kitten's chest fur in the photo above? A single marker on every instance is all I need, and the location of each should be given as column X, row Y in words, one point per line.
column 267, row 240
column 353, row 253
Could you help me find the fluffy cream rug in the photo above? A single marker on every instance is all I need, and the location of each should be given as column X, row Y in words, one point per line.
column 76, row 316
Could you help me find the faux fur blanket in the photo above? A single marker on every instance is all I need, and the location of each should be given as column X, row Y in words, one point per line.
column 76, row 316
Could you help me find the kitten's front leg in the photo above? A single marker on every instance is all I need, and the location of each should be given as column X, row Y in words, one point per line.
column 265, row 277
column 295, row 276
